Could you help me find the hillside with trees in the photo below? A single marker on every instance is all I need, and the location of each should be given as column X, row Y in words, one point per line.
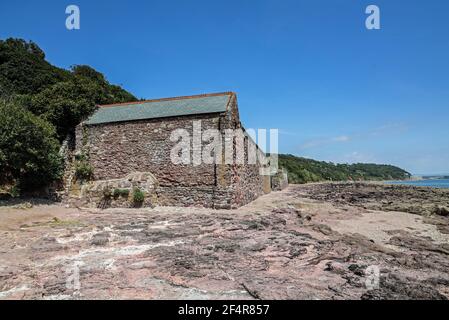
column 302, row 170
column 39, row 105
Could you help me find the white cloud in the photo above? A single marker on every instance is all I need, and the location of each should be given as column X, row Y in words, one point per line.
column 313, row 143
column 389, row 128
column 356, row 157
column 341, row 139
column 375, row 133
column 287, row 133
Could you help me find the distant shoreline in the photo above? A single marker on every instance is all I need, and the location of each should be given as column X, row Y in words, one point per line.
column 427, row 183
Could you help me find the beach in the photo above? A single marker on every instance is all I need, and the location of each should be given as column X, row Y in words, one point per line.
column 316, row 241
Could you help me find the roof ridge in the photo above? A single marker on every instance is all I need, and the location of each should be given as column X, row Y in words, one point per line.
column 205, row 95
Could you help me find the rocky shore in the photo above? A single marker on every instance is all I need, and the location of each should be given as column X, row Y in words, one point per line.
column 317, row 241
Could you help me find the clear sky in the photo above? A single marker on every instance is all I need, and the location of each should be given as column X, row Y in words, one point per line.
column 335, row 90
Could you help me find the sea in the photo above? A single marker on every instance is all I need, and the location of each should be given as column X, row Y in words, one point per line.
column 434, row 183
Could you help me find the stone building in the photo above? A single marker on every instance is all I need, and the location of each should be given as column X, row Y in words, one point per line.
column 128, row 146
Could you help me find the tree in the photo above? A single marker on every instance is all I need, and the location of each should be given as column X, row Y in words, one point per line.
column 45, row 103
column 28, row 148
column 89, row 72
column 65, row 104
column 111, row 93
column 62, row 97
column 301, row 170
column 23, row 69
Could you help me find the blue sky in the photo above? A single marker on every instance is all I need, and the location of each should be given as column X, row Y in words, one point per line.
column 335, row 90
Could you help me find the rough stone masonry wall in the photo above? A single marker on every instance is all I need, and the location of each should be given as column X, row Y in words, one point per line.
column 247, row 184
column 116, row 149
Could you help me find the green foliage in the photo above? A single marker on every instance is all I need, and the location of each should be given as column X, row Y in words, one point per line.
column 66, row 104
column 56, row 99
column 23, row 69
column 83, row 171
column 106, row 93
column 107, row 193
column 89, row 73
column 116, row 193
column 28, row 148
column 301, row 170
column 75, row 100
column 62, row 97
column 120, row 193
column 14, row 191
column 138, row 196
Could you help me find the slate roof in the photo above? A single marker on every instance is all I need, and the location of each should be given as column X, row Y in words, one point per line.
column 161, row 108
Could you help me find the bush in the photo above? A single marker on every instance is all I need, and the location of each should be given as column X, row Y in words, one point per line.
column 29, row 150
column 138, row 196
column 84, row 171
column 14, row 191
column 107, row 193
column 120, row 193
column 23, row 69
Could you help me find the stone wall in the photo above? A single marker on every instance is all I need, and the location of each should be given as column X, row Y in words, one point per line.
column 117, row 193
column 247, row 181
column 117, row 149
